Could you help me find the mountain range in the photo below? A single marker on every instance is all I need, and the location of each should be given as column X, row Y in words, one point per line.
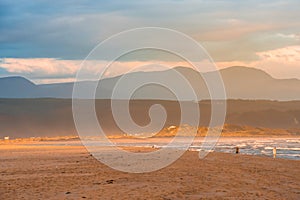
column 240, row 83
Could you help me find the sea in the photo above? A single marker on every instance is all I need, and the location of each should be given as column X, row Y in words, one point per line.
column 286, row 148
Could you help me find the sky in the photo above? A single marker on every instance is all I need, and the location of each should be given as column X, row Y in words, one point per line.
column 46, row 41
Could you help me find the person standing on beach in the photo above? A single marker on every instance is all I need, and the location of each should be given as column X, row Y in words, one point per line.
column 237, row 150
column 274, row 152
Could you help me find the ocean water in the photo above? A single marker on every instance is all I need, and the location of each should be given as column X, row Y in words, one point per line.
column 287, row 148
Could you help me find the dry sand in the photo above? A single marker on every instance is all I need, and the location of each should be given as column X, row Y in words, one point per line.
column 69, row 172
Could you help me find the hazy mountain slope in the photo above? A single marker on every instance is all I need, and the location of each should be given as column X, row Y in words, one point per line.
column 250, row 83
column 240, row 83
column 17, row 87
column 53, row 117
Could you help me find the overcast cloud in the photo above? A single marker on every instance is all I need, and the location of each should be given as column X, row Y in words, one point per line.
column 63, row 32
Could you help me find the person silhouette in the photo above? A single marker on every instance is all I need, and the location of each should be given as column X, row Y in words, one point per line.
column 237, row 150
column 274, row 152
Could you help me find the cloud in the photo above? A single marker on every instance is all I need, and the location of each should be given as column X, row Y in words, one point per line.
column 51, row 70
column 69, row 30
column 33, row 35
column 245, row 49
column 289, row 55
column 40, row 67
column 290, row 36
column 280, row 63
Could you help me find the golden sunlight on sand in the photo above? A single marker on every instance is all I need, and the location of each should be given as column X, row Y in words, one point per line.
column 69, row 172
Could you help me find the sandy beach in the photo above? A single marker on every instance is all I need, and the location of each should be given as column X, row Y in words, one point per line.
column 69, row 172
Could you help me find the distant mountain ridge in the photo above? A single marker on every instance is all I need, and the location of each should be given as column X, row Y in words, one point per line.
column 240, row 83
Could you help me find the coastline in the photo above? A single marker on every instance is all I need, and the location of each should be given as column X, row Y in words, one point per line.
column 69, row 172
column 288, row 147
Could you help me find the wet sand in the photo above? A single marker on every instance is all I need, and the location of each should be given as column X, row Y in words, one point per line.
column 69, row 172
